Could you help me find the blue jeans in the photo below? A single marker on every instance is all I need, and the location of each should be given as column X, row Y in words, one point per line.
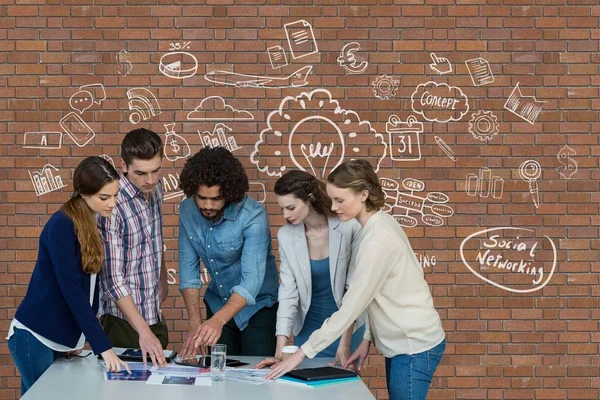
column 31, row 357
column 409, row 376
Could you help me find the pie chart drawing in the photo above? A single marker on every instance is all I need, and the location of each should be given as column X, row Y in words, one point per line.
column 178, row 65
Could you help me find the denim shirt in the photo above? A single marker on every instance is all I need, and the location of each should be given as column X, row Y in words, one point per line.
column 236, row 251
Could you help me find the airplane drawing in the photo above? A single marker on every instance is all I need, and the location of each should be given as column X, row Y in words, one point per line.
column 229, row 78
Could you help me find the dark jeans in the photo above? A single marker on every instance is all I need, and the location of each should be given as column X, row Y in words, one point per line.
column 31, row 357
column 258, row 339
column 409, row 376
column 121, row 333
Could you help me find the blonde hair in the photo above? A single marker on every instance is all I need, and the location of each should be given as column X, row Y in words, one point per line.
column 358, row 175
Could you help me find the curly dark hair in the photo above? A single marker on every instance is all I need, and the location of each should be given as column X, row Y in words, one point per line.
column 216, row 166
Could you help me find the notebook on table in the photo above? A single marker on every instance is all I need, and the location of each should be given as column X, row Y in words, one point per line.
column 320, row 374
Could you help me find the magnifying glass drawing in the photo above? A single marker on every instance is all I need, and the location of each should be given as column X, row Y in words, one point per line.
column 530, row 171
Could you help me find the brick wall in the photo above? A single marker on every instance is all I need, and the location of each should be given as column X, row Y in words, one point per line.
column 509, row 106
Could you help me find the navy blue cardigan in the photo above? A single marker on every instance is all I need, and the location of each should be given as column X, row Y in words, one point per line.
column 57, row 303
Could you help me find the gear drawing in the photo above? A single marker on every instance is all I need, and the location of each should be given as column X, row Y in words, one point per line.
column 384, row 87
column 483, row 125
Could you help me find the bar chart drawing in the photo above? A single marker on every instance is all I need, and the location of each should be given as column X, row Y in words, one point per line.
column 484, row 184
column 47, row 180
column 525, row 107
column 219, row 138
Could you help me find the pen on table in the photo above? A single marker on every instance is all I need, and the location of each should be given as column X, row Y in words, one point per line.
column 445, row 148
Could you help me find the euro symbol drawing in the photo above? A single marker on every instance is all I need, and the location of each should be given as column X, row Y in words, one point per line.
column 347, row 60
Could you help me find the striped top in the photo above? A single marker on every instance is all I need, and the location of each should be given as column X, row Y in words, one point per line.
column 133, row 240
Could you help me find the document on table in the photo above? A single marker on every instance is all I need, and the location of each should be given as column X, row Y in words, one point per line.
column 181, row 371
column 158, row 379
column 247, row 375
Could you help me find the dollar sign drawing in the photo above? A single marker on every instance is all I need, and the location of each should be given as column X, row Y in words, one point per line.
column 124, row 65
column 174, row 146
column 569, row 165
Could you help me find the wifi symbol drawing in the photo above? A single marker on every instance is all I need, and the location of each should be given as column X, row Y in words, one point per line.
column 143, row 105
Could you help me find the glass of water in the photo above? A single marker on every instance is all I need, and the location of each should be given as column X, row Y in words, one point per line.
column 218, row 357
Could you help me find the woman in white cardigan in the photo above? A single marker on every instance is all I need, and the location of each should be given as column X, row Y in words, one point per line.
column 317, row 254
column 389, row 283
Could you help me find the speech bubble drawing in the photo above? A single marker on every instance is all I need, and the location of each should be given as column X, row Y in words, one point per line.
column 97, row 90
column 81, row 101
column 439, row 102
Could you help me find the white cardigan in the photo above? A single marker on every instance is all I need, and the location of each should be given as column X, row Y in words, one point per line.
column 389, row 283
column 295, row 290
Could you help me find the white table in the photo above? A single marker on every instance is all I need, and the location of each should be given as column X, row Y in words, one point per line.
column 83, row 379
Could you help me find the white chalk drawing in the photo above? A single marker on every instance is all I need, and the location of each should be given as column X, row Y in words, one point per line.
column 483, row 125
column 404, row 141
column 171, row 188
column 400, row 204
column 179, row 46
column 525, row 107
column 441, row 65
column 172, row 276
column 301, row 39
column 143, row 105
column 445, row 148
column 480, row 71
column 214, row 108
column 425, row 260
column 484, row 184
column 569, row 165
column 178, row 65
column 530, row 171
column 277, row 57
column 219, row 138
column 109, row 159
column 47, row 180
column 384, row 87
column 42, row 140
column 97, row 90
column 439, row 102
column 124, row 65
column 504, row 255
column 257, row 191
column 87, row 96
column 296, row 79
column 77, row 129
column 347, row 59
column 317, row 134
column 176, row 147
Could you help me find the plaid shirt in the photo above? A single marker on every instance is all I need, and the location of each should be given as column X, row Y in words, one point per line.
column 133, row 240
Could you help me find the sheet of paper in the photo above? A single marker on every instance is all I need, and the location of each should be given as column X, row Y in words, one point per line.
column 157, row 379
column 247, row 375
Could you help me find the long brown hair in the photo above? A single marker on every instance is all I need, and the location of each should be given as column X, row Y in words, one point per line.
column 89, row 178
column 307, row 188
column 358, row 175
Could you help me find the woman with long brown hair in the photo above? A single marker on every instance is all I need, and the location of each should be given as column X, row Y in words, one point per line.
column 58, row 313
column 317, row 253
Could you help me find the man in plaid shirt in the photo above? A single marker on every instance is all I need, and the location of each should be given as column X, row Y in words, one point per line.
column 134, row 277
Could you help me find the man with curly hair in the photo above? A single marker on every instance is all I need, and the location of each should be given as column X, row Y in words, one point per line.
column 229, row 231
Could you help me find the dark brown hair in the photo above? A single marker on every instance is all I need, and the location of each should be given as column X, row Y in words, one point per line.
column 307, row 188
column 358, row 175
column 89, row 178
column 141, row 143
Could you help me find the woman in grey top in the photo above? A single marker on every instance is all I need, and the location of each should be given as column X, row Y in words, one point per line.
column 317, row 254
